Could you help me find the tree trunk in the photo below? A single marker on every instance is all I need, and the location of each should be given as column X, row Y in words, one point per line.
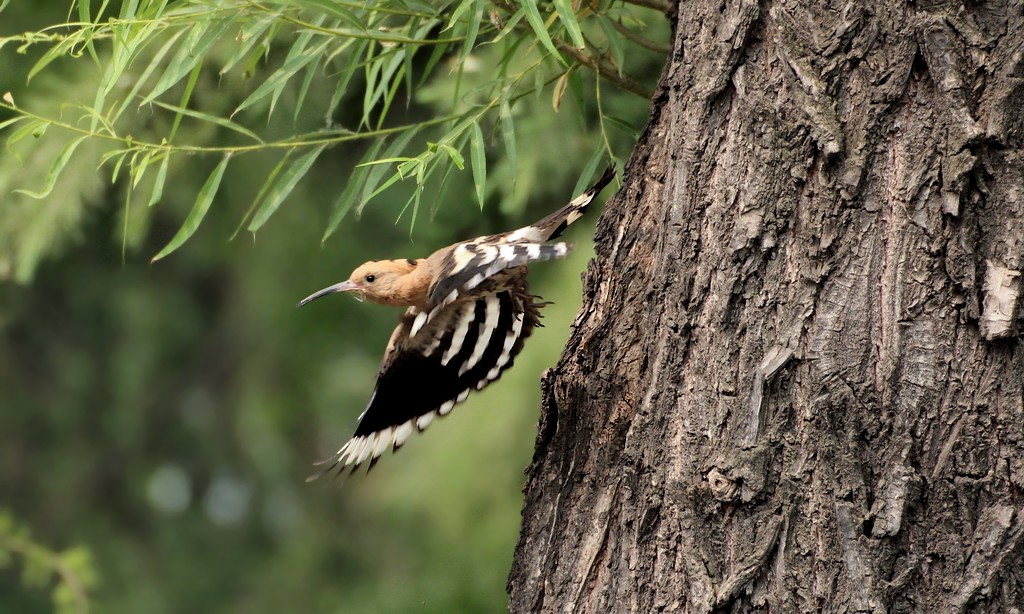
column 796, row 382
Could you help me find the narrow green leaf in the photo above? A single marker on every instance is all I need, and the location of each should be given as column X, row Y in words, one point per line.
column 138, row 167
column 127, row 216
column 311, row 72
column 479, row 158
column 36, row 128
column 59, row 50
column 213, row 119
column 269, row 183
column 439, row 52
column 472, row 29
column 416, row 194
column 614, row 42
column 353, row 188
column 391, row 95
column 154, row 63
column 623, row 125
column 457, row 14
column 199, row 209
column 276, row 83
column 252, row 33
column 379, row 81
column 85, row 17
column 99, row 123
column 289, row 179
column 393, row 179
column 508, row 131
column 12, row 121
column 387, row 161
column 376, row 173
column 414, row 166
column 454, row 155
column 120, row 154
column 191, row 54
column 331, row 7
column 55, row 170
column 186, row 95
column 588, row 171
column 343, row 80
column 568, row 18
column 510, row 25
column 441, row 192
column 128, row 9
column 541, row 30
column 158, row 183
column 577, row 91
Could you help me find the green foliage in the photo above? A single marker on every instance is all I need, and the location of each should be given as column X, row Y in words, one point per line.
column 369, row 70
column 70, row 573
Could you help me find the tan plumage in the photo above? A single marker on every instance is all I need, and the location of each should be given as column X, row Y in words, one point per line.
column 468, row 312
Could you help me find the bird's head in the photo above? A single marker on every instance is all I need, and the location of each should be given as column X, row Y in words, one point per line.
column 378, row 281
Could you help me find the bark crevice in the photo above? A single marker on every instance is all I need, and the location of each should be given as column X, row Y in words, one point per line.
column 796, row 382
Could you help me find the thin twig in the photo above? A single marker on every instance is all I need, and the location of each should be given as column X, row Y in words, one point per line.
column 624, row 82
column 317, row 138
column 365, row 35
column 644, row 42
column 658, row 5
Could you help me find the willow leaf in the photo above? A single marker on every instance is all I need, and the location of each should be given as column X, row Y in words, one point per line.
column 251, row 34
column 190, row 55
column 508, row 131
column 537, row 23
column 353, row 188
column 478, row 157
column 568, row 18
column 213, row 119
column 55, row 170
column 588, row 171
column 275, row 84
column 199, row 209
column 376, row 173
column 614, row 42
column 158, row 183
column 289, row 179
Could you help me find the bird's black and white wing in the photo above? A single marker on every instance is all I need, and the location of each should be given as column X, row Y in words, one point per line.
column 466, row 347
column 468, row 265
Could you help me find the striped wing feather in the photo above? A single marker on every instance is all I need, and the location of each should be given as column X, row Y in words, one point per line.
column 470, row 265
column 468, row 345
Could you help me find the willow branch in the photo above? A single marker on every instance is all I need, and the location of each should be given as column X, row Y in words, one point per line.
column 658, row 5
column 624, row 82
column 646, row 43
column 595, row 64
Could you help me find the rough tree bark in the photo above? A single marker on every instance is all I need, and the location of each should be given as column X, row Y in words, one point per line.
column 796, row 382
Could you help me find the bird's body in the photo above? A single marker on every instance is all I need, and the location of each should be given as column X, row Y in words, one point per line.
column 468, row 312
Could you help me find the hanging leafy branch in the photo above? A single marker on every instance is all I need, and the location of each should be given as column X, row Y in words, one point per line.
column 149, row 57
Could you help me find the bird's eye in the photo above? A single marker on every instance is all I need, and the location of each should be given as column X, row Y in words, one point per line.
column 370, row 279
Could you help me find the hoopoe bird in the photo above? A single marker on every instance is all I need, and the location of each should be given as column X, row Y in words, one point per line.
column 468, row 312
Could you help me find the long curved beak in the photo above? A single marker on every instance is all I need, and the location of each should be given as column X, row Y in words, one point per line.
column 345, row 286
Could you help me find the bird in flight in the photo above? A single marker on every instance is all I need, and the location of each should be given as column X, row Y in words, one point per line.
column 468, row 312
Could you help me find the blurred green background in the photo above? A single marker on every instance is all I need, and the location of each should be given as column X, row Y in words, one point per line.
column 157, row 421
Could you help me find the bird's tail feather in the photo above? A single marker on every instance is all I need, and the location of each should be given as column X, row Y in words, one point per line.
column 552, row 226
